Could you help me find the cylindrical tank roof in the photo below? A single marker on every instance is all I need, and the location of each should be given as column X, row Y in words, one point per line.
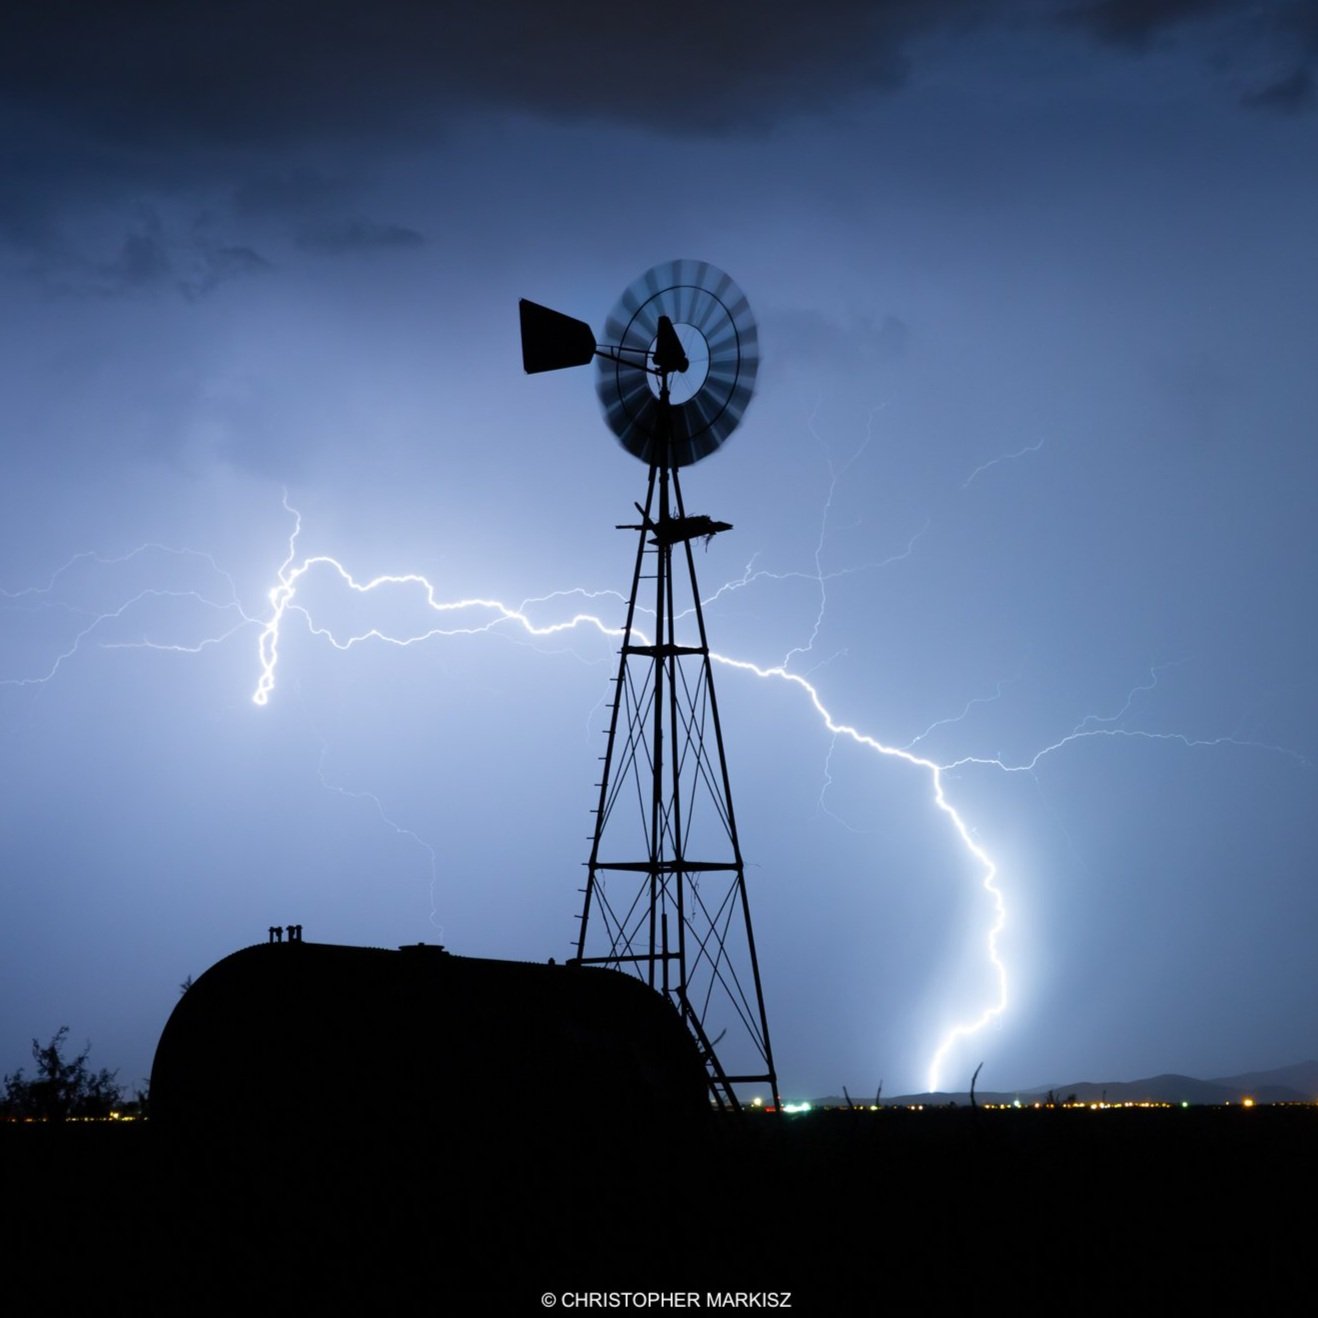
column 305, row 1033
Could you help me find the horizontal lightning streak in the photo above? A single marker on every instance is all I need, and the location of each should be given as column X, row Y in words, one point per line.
column 113, row 560
column 1002, row 457
column 40, row 597
column 1131, row 734
column 1098, row 725
column 282, row 597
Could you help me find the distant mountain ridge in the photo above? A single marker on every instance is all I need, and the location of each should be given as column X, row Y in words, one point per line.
column 1297, row 1083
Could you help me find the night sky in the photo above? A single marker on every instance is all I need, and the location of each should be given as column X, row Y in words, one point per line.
column 1026, row 493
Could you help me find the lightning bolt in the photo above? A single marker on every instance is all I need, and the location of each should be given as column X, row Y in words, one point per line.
column 223, row 602
column 934, row 771
column 954, row 719
column 356, row 794
column 1002, row 457
column 478, row 616
column 475, row 616
column 820, row 577
column 1095, row 725
column 45, row 598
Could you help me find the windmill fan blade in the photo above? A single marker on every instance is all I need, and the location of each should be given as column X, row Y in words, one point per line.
column 552, row 341
column 699, row 305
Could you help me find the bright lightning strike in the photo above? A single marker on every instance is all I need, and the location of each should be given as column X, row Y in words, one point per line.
column 989, row 882
column 490, row 614
column 477, row 616
column 485, row 614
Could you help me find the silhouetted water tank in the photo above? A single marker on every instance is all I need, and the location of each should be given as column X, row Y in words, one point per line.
column 289, row 1034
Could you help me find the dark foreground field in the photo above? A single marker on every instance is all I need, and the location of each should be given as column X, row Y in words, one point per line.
column 1119, row 1211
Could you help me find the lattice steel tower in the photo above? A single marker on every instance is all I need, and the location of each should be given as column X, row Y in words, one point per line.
column 665, row 894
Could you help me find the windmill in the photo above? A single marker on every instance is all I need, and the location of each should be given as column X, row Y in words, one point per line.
column 665, row 896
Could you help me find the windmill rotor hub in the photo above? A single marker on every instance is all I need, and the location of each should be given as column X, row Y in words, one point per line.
column 691, row 363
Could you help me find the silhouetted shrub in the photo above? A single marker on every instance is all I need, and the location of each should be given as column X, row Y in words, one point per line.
column 60, row 1089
